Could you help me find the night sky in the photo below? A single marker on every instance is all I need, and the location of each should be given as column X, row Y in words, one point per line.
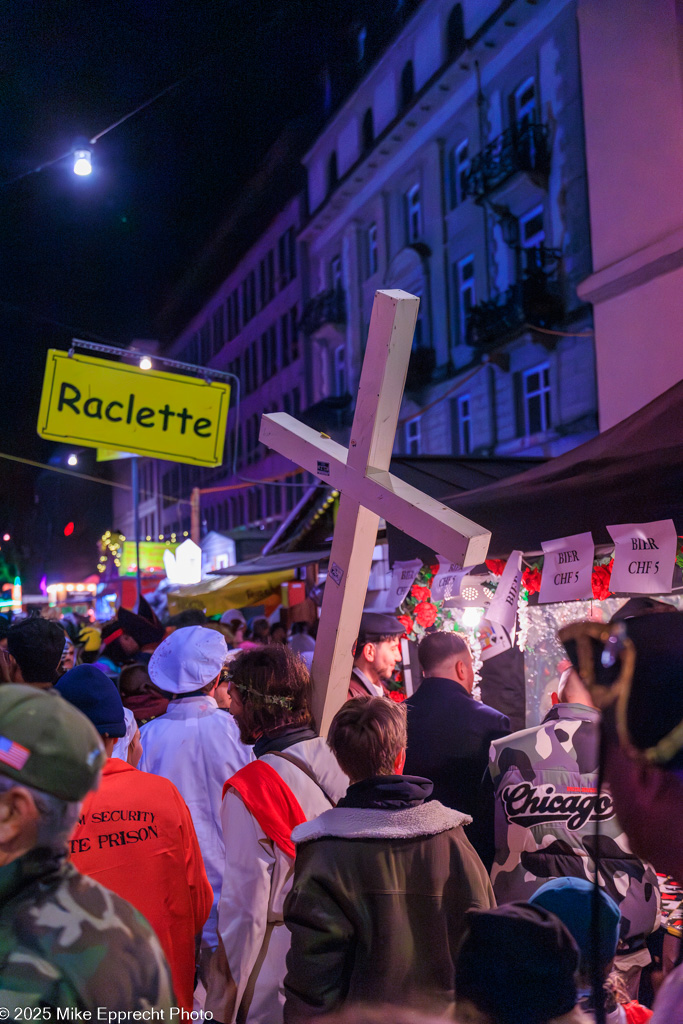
column 101, row 255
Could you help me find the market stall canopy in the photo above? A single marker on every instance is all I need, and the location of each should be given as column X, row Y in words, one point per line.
column 633, row 472
column 269, row 564
column 215, row 594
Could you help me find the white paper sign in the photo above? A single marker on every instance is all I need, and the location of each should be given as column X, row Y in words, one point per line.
column 567, row 569
column 493, row 639
column 503, row 607
column 402, row 578
column 644, row 557
column 446, row 583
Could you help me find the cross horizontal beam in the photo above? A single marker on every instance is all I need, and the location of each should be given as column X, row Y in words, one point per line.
column 450, row 534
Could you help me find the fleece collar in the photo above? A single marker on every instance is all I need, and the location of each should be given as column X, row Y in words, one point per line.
column 370, row 823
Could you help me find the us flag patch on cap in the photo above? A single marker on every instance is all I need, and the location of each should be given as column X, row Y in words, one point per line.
column 12, row 753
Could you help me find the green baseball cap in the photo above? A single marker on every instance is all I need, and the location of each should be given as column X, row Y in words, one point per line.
column 45, row 742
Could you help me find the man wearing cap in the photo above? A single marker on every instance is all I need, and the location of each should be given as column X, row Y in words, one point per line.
column 634, row 670
column 195, row 744
column 135, row 836
column 65, row 940
column 377, row 654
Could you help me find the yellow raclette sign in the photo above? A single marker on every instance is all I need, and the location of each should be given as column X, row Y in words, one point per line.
column 102, row 404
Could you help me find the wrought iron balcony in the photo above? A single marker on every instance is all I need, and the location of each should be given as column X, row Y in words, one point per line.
column 326, row 308
column 536, row 299
column 519, row 149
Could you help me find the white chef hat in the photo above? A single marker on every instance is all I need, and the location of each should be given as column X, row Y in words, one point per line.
column 188, row 659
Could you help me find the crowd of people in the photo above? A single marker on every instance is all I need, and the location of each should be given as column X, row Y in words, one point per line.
column 175, row 833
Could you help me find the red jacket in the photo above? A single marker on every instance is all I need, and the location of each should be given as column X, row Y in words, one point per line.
column 135, row 836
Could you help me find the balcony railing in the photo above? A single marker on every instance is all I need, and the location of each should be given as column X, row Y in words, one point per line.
column 536, row 299
column 519, row 149
column 326, row 308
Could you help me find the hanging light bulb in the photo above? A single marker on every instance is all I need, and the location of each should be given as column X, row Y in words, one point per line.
column 145, row 363
column 82, row 162
column 72, row 460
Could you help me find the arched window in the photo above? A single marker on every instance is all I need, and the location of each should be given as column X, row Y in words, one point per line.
column 332, row 172
column 407, row 84
column 455, row 33
column 368, row 130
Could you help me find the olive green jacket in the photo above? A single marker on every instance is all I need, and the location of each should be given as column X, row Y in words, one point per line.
column 377, row 908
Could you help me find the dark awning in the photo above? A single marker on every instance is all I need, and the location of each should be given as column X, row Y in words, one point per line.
column 274, row 563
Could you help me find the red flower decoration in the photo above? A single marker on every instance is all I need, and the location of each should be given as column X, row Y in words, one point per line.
column 425, row 614
column 397, row 696
column 601, row 578
column 420, row 593
column 433, row 569
column 496, row 566
column 406, row 622
column 531, row 580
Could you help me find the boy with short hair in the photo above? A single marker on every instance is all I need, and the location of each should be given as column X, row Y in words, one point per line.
column 382, row 882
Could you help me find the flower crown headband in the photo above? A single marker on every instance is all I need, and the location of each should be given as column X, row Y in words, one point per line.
column 255, row 695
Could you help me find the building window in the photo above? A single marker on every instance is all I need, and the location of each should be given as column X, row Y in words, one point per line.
column 407, row 85
column 455, row 33
column 413, row 205
column 339, row 370
column 464, row 283
column 464, row 425
column 294, row 333
column 459, row 166
column 284, row 340
column 413, row 437
column 368, row 130
column 537, row 400
column 335, row 272
column 332, row 172
column 531, row 229
column 286, row 257
column 373, row 261
column 267, row 278
column 524, row 104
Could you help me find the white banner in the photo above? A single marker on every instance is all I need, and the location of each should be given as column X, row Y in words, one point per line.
column 567, row 569
column 402, row 578
column 644, row 557
column 446, row 583
column 503, row 607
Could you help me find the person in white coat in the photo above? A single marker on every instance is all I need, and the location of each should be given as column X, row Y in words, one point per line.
column 196, row 745
column 295, row 778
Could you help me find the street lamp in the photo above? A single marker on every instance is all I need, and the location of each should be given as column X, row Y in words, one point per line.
column 82, row 162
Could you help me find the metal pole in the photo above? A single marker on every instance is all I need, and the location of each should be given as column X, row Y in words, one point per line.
column 136, row 521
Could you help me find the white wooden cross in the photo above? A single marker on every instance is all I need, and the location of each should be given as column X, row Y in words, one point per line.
column 367, row 491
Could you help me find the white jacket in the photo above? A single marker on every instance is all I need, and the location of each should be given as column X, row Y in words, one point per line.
column 249, row 967
column 197, row 746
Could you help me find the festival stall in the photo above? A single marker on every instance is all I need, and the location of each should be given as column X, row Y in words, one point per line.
column 572, row 539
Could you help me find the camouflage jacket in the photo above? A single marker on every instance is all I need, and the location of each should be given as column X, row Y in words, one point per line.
column 66, row 941
column 546, row 809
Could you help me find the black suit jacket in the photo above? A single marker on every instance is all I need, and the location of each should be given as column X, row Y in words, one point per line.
column 449, row 734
